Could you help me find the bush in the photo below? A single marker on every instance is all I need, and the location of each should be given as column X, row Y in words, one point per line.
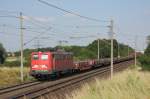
column 145, row 62
column 14, row 64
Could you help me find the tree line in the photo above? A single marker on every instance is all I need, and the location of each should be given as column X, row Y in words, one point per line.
column 81, row 52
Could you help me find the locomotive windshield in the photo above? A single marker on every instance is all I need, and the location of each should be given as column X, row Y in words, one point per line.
column 44, row 57
column 35, row 57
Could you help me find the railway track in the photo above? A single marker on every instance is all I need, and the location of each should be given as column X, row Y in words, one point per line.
column 17, row 88
column 50, row 89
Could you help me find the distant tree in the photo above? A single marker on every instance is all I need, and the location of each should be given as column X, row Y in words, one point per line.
column 147, row 50
column 148, row 39
column 2, row 54
column 145, row 59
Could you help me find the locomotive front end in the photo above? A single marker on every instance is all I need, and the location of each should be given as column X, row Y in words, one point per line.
column 40, row 64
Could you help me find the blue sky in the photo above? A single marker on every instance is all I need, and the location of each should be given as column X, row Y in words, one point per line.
column 131, row 17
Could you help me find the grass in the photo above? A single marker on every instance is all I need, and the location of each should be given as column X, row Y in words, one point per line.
column 130, row 84
column 11, row 75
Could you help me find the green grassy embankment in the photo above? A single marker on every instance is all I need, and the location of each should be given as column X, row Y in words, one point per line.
column 130, row 84
column 11, row 75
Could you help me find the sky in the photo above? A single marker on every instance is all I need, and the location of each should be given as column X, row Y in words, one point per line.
column 50, row 25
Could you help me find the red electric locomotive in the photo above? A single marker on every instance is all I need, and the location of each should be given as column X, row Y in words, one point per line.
column 46, row 64
column 50, row 64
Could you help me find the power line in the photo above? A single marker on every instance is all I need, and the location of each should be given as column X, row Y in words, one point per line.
column 37, row 31
column 70, row 12
column 36, row 22
column 12, row 16
column 82, row 26
column 89, row 36
column 6, row 11
column 15, row 16
column 32, row 19
column 11, row 26
column 36, row 36
column 15, row 35
column 42, row 25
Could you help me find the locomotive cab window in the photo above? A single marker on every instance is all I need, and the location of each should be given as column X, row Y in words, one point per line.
column 35, row 57
column 44, row 57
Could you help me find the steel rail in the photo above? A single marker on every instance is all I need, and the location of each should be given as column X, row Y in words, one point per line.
column 18, row 87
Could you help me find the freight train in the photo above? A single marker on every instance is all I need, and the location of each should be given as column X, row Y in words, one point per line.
column 54, row 64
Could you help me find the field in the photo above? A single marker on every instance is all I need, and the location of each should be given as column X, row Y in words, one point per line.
column 11, row 76
column 130, row 84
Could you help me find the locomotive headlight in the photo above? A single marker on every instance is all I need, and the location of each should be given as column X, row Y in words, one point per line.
column 35, row 66
column 43, row 66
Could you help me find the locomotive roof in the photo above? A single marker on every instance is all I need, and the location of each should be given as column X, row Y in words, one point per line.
column 62, row 52
column 56, row 52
